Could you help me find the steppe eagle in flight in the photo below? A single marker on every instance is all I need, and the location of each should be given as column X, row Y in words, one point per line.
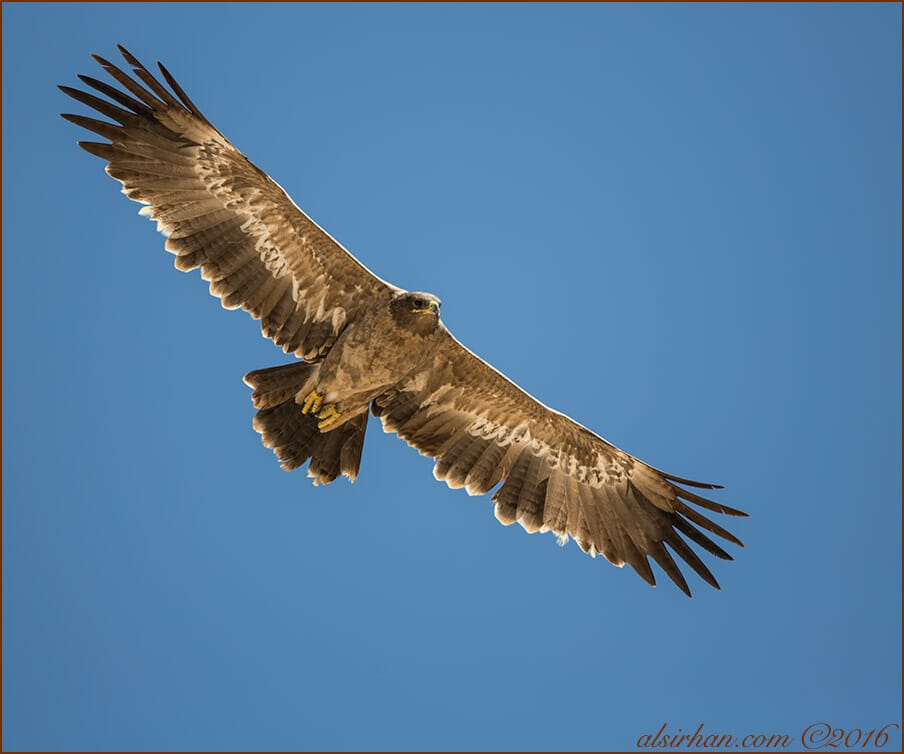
column 365, row 345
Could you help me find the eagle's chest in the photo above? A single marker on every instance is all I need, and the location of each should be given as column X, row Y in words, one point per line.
column 373, row 354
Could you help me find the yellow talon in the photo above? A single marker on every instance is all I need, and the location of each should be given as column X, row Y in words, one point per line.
column 312, row 403
column 327, row 416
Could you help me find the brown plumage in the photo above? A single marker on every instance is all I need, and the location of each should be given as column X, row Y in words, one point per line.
column 368, row 345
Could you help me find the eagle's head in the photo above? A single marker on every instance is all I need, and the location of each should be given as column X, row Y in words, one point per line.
column 416, row 310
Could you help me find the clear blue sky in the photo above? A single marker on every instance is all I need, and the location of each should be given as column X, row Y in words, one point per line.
column 680, row 225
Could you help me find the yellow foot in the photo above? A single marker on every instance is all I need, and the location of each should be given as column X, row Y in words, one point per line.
column 312, row 403
column 327, row 416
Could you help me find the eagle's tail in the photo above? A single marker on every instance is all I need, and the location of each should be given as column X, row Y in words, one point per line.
column 294, row 436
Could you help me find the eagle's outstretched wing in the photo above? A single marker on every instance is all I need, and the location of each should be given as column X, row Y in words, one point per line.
column 557, row 476
column 223, row 214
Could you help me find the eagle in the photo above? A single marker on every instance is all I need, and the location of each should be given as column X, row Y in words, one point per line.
column 366, row 346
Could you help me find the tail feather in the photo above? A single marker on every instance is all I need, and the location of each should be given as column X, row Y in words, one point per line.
column 276, row 385
column 294, row 436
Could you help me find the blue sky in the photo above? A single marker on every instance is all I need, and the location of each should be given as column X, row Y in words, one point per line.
column 680, row 225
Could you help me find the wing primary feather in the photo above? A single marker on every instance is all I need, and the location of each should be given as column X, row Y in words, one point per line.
column 102, row 106
column 683, row 551
column 97, row 148
column 708, row 504
column 636, row 522
column 115, row 94
column 148, row 78
column 705, row 523
column 128, row 82
column 635, row 558
column 180, row 92
column 668, row 564
column 699, row 537
column 690, row 482
column 100, row 127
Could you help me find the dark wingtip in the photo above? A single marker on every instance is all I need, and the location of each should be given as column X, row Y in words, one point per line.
column 710, row 579
column 97, row 148
column 706, row 503
column 692, row 483
column 667, row 563
column 180, row 93
column 728, row 511
column 128, row 56
column 642, row 568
